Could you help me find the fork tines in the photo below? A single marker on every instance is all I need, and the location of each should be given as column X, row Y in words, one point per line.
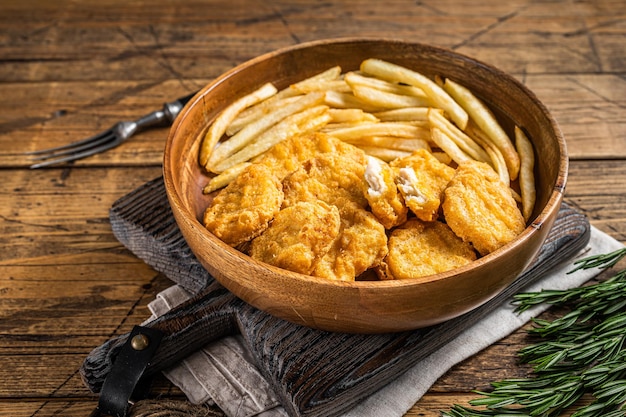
column 75, row 150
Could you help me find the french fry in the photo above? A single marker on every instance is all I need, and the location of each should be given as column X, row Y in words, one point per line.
column 339, row 100
column 496, row 158
column 251, row 131
column 448, row 146
column 379, row 129
column 463, row 141
column 350, row 116
column 392, row 143
column 220, row 124
column 443, row 157
column 355, row 80
column 487, row 122
column 325, row 85
column 386, row 100
column 225, row 178
column 298, row 123
column 259, row 110
column 285, row 96
column 385, row 154
column 315, row 82
column 526, row 173
column 404, row 114
column 436, row 94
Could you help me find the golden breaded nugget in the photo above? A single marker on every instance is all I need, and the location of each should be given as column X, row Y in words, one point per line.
column 480, row 208
column 298, row 237
column 360, row 245
column 334, row 179
column 418, row 249
column 421, row 179
column 382, row 194
column 243, row 209
column 287, row 156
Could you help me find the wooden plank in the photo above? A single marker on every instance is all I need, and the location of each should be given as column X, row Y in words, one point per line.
column 598, row 189
column 519, row 37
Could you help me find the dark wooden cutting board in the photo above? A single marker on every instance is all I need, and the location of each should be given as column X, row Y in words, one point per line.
column 315, row 373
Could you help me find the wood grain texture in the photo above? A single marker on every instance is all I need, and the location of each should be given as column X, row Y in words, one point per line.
column 69, row 69
column 315, row 373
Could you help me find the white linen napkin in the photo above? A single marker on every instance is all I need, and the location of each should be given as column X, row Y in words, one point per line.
column 224, row 373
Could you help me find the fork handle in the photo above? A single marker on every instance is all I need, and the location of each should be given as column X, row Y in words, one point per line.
column 172, row 108
column 162, row 117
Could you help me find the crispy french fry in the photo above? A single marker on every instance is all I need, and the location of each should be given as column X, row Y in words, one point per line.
column 350, row 116
column 516, row 196
column 285, row 96
column 397, row 73
column 448, row 146
column 392, row 143
column 463, row 141
column 324, row 85
column 223, row 179
column 526, row 173
column 312, row 83
column 385, row 154
column 354, row 80
column 496, row 158
column 348, row 101
column 404, row 114
column 487, row 122
column 220, row 124
column 262, row 109
column 386, row 100
column 443, row 157
column 251, row 131
column 400, row 130
column 298, row 123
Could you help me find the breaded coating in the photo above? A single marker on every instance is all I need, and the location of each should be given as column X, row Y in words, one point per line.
column 298, row 237
column 480, row 208
column 360, row 245
column 334, row 179
column 285, row 157
column 244, row 209
column 382, row 194
column 418, row 249
column 421, row 179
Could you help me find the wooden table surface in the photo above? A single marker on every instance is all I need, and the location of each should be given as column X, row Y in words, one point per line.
column 72, row 68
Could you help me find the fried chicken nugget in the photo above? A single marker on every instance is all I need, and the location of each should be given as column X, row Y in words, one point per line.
column 285, row 157
column 298, row 237
column 336, row 179
column 480, row 208
column 421, row 180
column 360, row 245
column 382, row 193
column 244, row 209
column 418, row 249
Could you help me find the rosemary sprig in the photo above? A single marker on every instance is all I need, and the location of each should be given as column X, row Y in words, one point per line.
column 581, row 352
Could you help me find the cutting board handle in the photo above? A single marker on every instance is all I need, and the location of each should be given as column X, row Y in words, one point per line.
column 208, row 316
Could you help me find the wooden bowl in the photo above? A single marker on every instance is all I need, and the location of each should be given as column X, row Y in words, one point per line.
column 363, row 306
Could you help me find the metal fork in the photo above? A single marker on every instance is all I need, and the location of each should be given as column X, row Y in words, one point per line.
column 109, row 138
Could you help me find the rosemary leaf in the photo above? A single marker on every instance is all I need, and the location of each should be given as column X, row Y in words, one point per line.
column 605, row 261
column 581, row 352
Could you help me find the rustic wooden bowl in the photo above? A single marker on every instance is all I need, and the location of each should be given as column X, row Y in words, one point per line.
column 363, row 306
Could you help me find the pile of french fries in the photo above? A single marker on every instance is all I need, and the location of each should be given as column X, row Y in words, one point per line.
column 383, row 108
